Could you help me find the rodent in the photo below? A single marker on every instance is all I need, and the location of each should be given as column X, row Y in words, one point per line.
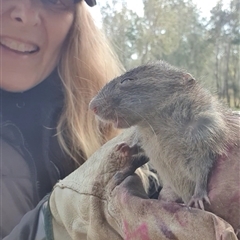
column 180, row 125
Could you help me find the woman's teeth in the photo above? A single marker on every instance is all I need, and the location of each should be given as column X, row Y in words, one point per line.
column 18, row 46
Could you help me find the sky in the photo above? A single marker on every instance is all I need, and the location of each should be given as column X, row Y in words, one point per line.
column 204, row 5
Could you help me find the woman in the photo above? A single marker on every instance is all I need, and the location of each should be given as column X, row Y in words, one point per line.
column 53, row 61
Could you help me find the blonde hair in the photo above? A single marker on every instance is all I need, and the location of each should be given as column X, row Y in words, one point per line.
column 86, row 64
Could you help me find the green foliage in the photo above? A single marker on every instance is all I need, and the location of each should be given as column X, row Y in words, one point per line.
column 174, row 31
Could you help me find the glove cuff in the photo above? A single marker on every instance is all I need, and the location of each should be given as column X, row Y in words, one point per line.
column 48, row 226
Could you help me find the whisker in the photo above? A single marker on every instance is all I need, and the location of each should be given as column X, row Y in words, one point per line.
column 126, row 121
column 142, row 118
column 116, row 115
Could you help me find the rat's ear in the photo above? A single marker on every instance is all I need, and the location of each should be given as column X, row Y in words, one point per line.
column 188, row 78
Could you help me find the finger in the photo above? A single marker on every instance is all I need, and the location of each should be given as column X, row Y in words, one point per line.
column 134, row 186
column 139, row 160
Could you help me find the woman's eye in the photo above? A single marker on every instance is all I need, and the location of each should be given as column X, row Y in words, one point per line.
column 59, row 3
column 52, row 1
column 126, row 80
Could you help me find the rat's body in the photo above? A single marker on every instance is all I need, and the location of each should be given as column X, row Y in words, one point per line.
column 180, row 125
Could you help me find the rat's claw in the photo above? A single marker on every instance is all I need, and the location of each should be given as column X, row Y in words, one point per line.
column 237, row 232
column 200, row 204
column 197, row 202
column 206, row 198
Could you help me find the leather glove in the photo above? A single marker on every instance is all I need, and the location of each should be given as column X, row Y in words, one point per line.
column 104, row 199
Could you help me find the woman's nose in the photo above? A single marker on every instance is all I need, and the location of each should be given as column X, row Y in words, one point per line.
column 26, row 12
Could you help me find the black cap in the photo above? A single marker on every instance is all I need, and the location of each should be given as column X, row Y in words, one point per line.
column 90, row 3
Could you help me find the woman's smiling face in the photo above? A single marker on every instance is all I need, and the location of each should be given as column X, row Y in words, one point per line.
column 32, row 33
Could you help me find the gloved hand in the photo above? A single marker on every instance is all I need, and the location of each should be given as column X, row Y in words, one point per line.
column 104, row 199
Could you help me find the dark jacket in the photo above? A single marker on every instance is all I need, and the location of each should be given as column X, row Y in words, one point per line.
column 28, row 173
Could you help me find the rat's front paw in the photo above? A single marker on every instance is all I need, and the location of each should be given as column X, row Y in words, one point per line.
column 128, row 159
column 135, row 155
column 198, row 200
column 124, row 148
column 128, row 150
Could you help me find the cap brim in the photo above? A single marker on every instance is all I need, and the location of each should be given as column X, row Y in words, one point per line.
column 90, row 3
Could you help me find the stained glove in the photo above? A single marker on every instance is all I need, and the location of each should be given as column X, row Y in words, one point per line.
column 105, row 199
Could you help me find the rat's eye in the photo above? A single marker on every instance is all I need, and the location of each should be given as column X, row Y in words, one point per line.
column 126, row 80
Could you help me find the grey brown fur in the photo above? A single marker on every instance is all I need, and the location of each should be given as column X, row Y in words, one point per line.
column 180, row 125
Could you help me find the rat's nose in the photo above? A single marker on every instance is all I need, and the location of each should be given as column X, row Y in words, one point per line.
column 93, row 107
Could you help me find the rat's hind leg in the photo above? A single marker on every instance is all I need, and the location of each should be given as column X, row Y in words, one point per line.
column 200, row 193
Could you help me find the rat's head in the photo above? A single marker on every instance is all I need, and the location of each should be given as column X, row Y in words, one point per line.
column 135, row 96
